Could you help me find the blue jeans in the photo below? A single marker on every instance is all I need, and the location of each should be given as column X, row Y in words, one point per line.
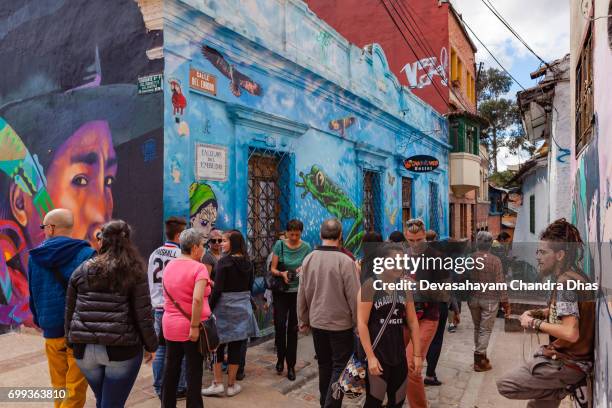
column 111, row 381
column 159, row 361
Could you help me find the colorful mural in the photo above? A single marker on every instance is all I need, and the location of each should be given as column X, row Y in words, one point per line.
column 203, row 208
column 74, row 132
column 336, row 202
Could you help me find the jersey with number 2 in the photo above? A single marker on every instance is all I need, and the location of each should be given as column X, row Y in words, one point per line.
column 157, row 263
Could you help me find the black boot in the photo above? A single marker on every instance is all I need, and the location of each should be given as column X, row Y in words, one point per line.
column 291, row 373
column 280, row 365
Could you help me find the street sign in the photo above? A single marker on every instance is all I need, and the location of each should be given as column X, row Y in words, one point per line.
column 150, row 84
column 421, row 163
column 211, row 162
column 202, row 81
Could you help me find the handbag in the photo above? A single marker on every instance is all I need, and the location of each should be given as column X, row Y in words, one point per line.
column 351, row 382
column 208, row 340
column 273, row 282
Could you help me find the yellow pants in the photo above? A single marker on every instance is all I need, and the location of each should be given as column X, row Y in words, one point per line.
column 65, row 373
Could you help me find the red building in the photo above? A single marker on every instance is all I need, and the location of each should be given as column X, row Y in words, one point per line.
column 430, row 51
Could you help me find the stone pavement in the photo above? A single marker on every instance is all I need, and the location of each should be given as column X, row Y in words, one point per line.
column 462, row 387
column 23, row 363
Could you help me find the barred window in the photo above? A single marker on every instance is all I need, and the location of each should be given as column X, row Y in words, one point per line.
column 584, row 94
column 372, row 212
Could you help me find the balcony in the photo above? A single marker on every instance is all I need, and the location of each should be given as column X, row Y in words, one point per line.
column 464, row 173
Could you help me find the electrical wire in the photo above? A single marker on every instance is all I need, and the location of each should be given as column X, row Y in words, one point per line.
column 425, row 46
column 492, row 55
column 497, row 14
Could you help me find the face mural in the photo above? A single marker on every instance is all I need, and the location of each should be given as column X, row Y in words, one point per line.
column 203, row 208
column 66, row 130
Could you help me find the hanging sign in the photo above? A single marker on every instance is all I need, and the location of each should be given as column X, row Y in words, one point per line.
column 211, row 162
column 421, row 163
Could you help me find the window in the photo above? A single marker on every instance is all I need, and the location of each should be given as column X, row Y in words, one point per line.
column 434, row 222
column 532, row 214
column 454, row 76
column 406, row 200
column 584, row 94
column 459, row 72
column 454, row 136
column 372, row 214
column 470, row 139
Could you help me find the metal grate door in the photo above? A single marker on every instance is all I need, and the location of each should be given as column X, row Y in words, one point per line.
column 267, row 203
column 434, row 214
column 372, row 211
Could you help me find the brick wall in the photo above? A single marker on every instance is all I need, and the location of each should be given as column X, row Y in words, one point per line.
column 464, row 50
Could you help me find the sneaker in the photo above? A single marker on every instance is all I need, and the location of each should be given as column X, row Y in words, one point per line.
column 214, row 389
column 452, row 328
column 233, row 390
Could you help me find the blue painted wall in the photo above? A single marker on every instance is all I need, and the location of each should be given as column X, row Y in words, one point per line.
column 302, row 77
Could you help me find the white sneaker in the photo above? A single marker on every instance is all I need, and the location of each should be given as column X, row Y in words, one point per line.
column 233, row 390
column 214, row 389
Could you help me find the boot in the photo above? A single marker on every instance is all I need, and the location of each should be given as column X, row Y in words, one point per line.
column 480, row 363
column 487, row 362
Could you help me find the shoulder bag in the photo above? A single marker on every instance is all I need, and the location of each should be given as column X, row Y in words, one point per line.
column 351, row 383
column 208, row 340
column 273, row 282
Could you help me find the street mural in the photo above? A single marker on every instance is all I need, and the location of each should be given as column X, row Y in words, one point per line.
column 70, row 114
column 203, row 208
column 237, row 79
column 340, row 125
column 336, row 202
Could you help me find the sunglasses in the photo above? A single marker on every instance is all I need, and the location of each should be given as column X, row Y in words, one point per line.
column 99, row 235
column 418, row 222
column 215, row 241
column 43, row 226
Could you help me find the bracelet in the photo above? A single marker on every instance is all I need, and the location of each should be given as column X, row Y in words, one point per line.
column 418, row 356
column 538, row 324
column 194, row 327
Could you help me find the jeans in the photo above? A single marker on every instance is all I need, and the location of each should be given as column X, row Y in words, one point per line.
column 433, row 355
column 416, row 388
column 175, row 352
column 484, row 313
column 111, row 381
column 333, row 348
column 158, row 361
column 286, row 327
column 65, row 373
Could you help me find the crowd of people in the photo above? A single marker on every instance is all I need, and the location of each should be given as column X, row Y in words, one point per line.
column 103, row 311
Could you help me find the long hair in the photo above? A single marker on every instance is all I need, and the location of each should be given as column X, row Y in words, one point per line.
column 563, row 236
column 119, row 264
column 237, row 243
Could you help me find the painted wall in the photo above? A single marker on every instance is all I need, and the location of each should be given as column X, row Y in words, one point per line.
column 458, row 41
column 74, row 133
column 417, row 63
column 592, row 169
column 329, row 110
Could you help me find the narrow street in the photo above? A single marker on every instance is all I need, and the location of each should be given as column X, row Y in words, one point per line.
column 24, row 364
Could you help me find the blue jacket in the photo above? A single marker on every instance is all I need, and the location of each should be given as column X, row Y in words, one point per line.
column 47, row 294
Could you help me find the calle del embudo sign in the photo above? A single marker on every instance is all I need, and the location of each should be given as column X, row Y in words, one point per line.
column 421, row 163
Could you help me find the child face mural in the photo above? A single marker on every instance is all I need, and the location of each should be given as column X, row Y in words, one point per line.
column 203, row 208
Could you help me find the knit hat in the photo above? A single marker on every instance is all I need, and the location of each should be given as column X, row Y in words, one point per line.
column 199, row 195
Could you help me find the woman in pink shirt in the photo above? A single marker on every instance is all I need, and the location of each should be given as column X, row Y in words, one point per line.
column 186, row 285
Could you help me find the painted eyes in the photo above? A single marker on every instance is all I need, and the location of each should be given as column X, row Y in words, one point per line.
column 81, row 180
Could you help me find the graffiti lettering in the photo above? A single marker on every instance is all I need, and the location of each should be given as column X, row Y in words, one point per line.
column 420, row 73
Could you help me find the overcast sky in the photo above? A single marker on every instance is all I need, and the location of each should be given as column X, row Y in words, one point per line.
column 543, row 24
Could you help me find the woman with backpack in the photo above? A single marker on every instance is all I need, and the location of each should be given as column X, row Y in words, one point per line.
column 109, row 318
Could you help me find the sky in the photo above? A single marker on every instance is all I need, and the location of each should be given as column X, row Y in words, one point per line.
column 543, row 24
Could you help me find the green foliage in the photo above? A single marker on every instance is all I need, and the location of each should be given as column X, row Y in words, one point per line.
column 501, row 178
column 502, row 113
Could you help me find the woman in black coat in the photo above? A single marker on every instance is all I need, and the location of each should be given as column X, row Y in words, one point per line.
column 108, row 316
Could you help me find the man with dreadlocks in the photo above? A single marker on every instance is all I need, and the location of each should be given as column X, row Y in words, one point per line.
column 559, row 367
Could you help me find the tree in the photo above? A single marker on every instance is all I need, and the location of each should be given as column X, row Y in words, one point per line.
column 502, row 113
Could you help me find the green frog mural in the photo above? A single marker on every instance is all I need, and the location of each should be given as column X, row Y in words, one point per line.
column 336, row 201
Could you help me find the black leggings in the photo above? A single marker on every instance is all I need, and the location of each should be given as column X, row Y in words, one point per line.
column 392, row 382
column 285, row 327
column 175, row 350
column 234, row 352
